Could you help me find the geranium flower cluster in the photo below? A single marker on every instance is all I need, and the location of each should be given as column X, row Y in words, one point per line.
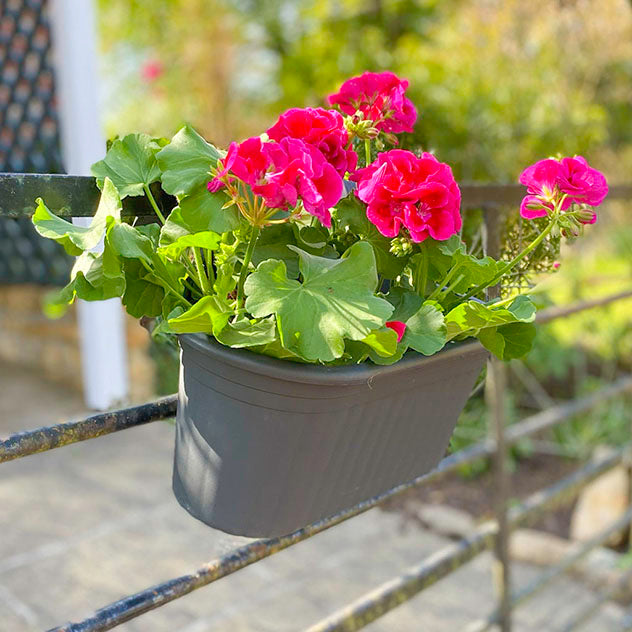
column 418, row 192
column 560, row 184
column 302, row 160
column 281, row 174
column 323, row 129
column 380, row 98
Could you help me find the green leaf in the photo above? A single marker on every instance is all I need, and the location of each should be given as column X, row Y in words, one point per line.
column 273, row 244
column 209, row 315
column 509, row 342
column 141, row 297
column 225, row 279
column 274, row 349
column 206, row 239
column 312, row 239
column 523, row 308
column 426, row 330
column 200, row 212
column 383, row 341
column 186, row 162
column 76, row 239
column 469, row 318
column 130, row 163
column 151, row 231
column 126, row 241
column 392, row 359
column 444, row 255
column 351, row 213
column 88, row 282
column 246, row 333
column 405, row 302
column 335, row 301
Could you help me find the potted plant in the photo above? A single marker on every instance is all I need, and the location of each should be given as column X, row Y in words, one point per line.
column 317, row 282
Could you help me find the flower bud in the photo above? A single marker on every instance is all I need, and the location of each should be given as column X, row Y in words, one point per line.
column 585, row 215
column 391, row 139
column 533, row 206
column 401, row 246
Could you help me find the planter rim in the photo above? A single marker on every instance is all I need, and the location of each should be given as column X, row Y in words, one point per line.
column 319, row 374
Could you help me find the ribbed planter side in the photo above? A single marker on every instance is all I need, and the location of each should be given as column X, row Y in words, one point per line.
column 264, row 447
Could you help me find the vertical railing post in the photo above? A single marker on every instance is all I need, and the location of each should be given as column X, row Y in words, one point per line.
column 495, row 398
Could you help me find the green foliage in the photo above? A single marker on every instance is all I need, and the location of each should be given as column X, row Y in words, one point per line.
column 426, row 330
column 288, row 287
column 186, row 162
column 248, row 333
column 351, row 215
column 508, row 333
column 209, row 315
column 76, row 239
column 335, row 301
column 130, row 164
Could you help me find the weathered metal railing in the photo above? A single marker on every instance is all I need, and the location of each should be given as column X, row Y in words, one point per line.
column 16, row 195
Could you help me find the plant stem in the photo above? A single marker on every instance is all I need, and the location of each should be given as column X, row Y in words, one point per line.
column 450, row 287
column 444, row 282
column 199, row 265
column 246, row 264
column 152, row 201
column 367, row 151
column 209, row 266
column 192, row 288
column 519, row 257
column 421, row 277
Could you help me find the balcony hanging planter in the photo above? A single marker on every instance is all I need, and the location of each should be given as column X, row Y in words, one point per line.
column 320, row 306
column 264, row 447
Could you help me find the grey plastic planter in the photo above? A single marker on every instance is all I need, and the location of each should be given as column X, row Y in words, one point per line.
column 264, row 446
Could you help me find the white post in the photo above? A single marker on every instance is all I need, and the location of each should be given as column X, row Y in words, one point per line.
column 101, row 324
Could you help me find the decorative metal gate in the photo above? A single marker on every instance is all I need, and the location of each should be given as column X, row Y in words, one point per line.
column 15, row 199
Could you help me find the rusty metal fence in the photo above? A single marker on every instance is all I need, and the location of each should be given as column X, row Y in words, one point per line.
column 16, row 195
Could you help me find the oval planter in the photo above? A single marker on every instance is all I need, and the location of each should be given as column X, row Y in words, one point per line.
column 265, row 446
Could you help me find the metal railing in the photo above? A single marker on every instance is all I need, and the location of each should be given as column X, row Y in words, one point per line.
column 15, row 200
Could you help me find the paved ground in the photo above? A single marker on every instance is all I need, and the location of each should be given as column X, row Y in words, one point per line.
column 84, row 525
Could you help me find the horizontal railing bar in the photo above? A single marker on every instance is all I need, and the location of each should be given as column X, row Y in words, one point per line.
column 393, row 593
column 622, row 585
column 67, row 196
column 553, row 313
column 552, row 416
column 554, row 571
column 134, row 605
column 42, row 439
column 78, row 196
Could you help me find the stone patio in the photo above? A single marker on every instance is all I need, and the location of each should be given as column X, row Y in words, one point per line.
column 87, row 524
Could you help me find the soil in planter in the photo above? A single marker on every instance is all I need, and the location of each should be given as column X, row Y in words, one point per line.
column 475, row 495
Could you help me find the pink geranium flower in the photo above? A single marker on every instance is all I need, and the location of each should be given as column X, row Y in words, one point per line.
column 283, row 174
column 325, row 129
column 420, row 193
column 380, row 96
column 398, row 327
column 548, row 181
